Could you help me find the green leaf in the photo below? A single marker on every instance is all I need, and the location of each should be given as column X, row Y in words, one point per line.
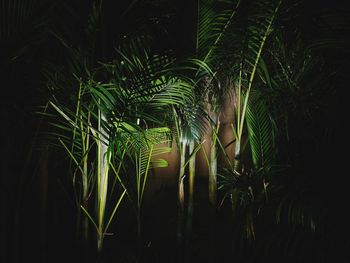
column 260, row 133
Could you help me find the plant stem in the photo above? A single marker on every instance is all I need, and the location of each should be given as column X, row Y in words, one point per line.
column 213, row 163
column 181, row 200
column 236, row 164
column 103, row 160
column 192, row 171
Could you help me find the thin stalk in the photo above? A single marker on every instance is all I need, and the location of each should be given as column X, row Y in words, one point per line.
column 83, row 202
column 182, row 149
column 239, row 121
column 181, row 201
column 85, row 180
column 213, row 163
column 99, row 151
column 103, row 160
column 181, row 196
column 192, row 172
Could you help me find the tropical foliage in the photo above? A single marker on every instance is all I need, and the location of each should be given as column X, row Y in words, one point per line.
column 119, row 101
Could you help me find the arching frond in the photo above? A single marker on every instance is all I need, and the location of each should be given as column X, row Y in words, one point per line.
column 261, row 132
column 214, row 18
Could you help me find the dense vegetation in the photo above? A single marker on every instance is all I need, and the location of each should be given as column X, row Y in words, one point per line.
column 244, row 99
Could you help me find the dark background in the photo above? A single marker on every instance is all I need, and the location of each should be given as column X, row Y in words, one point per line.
column 37, row 218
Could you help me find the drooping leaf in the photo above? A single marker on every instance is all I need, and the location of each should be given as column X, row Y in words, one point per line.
column 261, row 133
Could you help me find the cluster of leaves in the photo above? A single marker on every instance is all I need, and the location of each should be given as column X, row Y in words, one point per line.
column 123, row 108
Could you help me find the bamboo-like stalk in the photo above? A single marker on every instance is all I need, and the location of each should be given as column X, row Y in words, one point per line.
column 181, row 201
column 103, row 160
column 181, row 188
column 190, row 204
column 213, row 175
column 192, row 172
column 213, row 164
column 181, row 191
column 86, row 144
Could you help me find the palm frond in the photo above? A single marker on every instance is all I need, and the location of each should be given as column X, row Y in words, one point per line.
column 261, row 132
column 192, row 122
column 214, row 17
column 260, row 26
